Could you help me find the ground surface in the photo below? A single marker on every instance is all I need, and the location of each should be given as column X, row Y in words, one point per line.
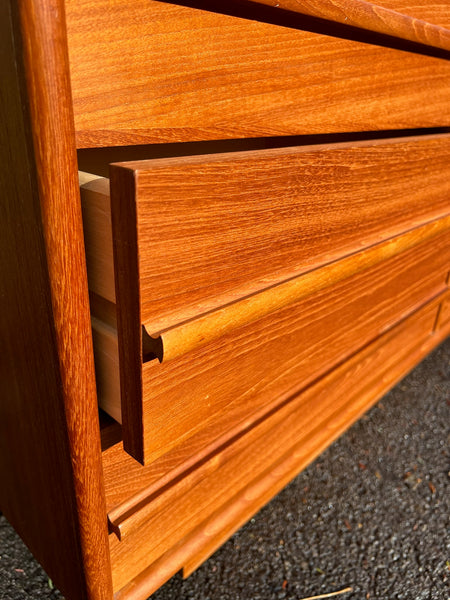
column 371, row 513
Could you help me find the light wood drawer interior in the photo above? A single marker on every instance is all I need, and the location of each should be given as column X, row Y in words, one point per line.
column 249, row 287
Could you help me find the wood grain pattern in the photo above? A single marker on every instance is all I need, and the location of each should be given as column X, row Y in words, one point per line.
column 183, row 74
column 50, row 465
column 97, row 231
column 370, row 16
column 128, row 313
column 434, row 12
column 234, row 514
column 242, row 476
column 186, row 74
column 220, row 387
column 235, row 378
column 188, row 336
column 437, row 13
column 209, row 234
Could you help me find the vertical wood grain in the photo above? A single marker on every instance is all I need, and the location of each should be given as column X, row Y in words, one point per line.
column 126, row 266
column 52, row 486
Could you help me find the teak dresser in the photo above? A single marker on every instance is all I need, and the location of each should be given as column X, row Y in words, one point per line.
column 227, row 224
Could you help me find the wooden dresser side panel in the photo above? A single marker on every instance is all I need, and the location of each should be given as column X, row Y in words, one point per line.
column 51, row 484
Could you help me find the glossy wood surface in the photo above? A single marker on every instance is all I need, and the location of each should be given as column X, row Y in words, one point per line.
column 437, row 13
column 186, row 74
column 50, row 468
column 235, row 378
column 151, row 71
column 214, row 390
column 188, row 336
column 225, row 489
column 372, row 16
column 211, row 230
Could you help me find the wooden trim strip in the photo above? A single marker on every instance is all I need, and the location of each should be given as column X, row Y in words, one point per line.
column 369, row 16
column 189, row 335
column 126, row 268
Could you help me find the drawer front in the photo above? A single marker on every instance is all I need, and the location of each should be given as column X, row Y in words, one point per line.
column 211, row 501
column 148, row 71
column 196, row 233
column 210, row 394
column 219, row 388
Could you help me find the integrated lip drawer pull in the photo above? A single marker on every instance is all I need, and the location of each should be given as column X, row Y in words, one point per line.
column 188, row 336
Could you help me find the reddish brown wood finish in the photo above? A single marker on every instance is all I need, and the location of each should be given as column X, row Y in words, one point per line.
column 231, row 381
column 50, row 468
column 215, row 390
column 301, row 208
column 213, row 499
column 148, row 71
column 437, row 13
column 371, row 16
column 210, row 230
column 248, row 78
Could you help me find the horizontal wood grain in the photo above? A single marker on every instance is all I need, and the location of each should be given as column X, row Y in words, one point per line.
column 211, row 534
column 217, row 389
column 372, row 16
column 230, row 380
column 436, row 13
column 150, row 72
column 188, row 336
column 244, row 475
column 236, row 223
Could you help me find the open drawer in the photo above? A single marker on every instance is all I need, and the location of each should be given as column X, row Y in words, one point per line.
column 241, row 278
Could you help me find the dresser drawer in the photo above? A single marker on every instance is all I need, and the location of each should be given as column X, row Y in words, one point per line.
column 228, row 486
column 148, row 71
column 248, row 275
column 214, row 391
column 193, row 234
